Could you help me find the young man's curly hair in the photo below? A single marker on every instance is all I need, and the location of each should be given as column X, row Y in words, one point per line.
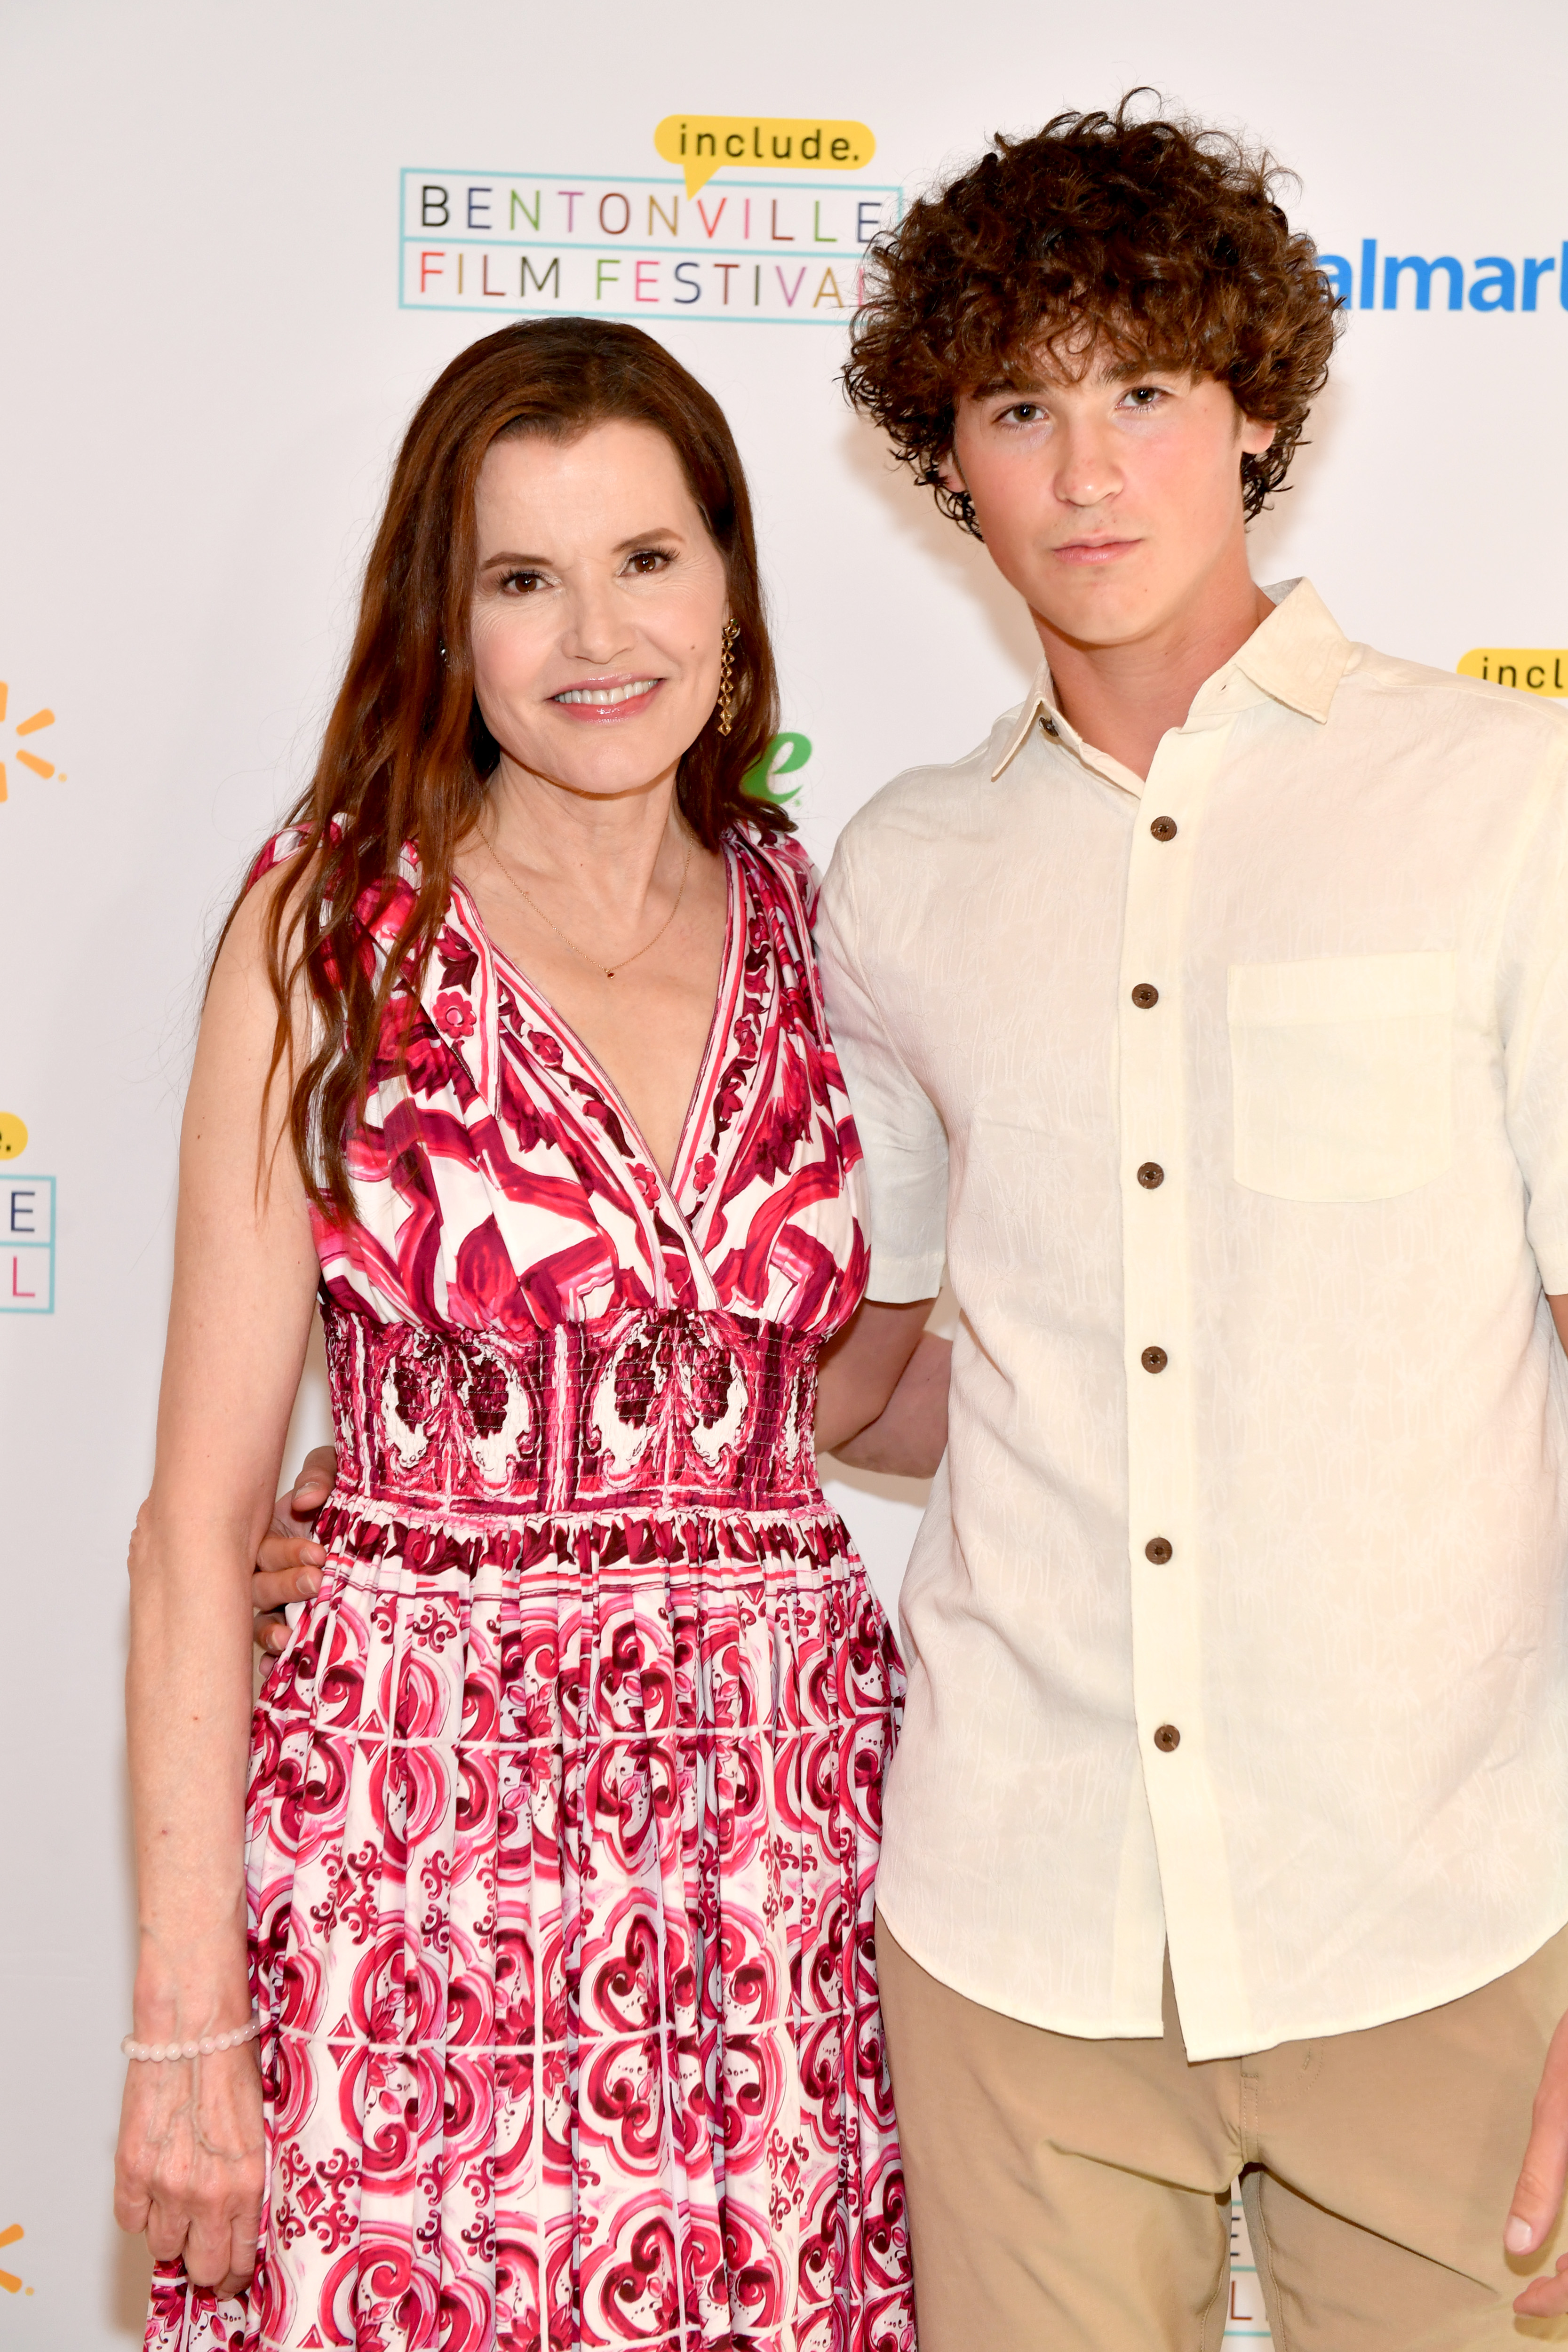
column 1158, row 242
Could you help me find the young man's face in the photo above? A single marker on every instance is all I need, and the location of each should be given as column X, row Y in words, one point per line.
column 1113, row 503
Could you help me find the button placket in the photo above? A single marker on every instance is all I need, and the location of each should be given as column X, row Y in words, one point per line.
column 1159, row 1321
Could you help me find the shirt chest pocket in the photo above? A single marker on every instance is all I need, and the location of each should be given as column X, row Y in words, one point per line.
column 1343, row 1074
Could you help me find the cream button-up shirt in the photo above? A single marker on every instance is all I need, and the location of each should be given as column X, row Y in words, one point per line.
column 1237, row 1102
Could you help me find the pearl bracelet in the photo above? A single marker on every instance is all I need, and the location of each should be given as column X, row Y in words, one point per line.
column 208, row 2047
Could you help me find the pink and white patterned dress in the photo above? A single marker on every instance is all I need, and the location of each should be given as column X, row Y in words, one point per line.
column 565, row 1794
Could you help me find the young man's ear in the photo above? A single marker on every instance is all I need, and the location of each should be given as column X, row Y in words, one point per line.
column 1257, row 434
column 949, row 477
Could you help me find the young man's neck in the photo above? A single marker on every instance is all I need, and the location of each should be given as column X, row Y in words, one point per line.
column 1123, row 698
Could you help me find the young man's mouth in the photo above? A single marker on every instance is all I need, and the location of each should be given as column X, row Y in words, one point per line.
column 1093, row 550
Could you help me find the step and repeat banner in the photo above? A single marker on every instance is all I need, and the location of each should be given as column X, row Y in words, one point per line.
column 240, row 242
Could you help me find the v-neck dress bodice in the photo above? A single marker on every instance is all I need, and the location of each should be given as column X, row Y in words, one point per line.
column 564, row 1798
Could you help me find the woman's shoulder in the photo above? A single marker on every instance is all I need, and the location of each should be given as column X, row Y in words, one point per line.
column 779, row 864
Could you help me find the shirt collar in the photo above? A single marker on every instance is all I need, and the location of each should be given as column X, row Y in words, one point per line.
column 1297, row 657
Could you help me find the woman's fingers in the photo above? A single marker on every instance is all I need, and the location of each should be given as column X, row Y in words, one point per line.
column 206, row 2247
column 190, row 2165
column 168, row 2227
column 241, row 2255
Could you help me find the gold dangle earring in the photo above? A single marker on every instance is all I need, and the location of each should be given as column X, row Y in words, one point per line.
column 727, row 676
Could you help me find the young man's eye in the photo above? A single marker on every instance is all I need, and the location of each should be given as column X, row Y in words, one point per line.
column 1026, row 412
column 1145, row 396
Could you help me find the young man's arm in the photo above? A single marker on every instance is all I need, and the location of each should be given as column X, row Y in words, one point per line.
column 1543, row 2176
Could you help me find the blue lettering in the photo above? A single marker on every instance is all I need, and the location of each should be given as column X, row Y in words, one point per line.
column 681, row 279
column 1369, row 273
column 16, row 1210
column 1495, row 290
column 1394, row 269
column 1533, row 273
column 867, row 204
column 483, row 195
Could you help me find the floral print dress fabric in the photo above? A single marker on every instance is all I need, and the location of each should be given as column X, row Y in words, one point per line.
column 564, row 1802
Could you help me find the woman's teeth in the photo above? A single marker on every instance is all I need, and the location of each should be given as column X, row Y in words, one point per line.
column 608, row 693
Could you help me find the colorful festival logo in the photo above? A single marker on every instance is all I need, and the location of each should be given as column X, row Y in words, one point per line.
column 782, row 243
column 26, row 1244
column 32, row 725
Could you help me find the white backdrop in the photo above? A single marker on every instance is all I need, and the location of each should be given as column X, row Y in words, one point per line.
column 213, row 341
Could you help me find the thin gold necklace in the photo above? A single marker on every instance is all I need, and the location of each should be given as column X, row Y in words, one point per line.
column 609, row 970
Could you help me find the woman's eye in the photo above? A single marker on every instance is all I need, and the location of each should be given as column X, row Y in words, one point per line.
column 648, row 560
column 520, row 584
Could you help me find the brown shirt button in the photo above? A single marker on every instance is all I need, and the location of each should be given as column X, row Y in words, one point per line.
column 1151, row 1174
column 1153, row 1359
column 1145, row 995
column 1167, row 1737
column 1163, row 828
column 1158, row 1549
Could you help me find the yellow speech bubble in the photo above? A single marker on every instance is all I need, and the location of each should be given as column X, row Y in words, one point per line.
column 704, row 143
column 13, row 1135
column 1535, row 669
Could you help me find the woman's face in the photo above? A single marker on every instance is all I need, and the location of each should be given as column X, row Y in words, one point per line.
column 599, row 610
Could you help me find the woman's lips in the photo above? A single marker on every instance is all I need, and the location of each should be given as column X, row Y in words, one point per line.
column 607, row 699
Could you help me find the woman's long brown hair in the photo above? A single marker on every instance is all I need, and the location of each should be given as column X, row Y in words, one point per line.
column 407, row 756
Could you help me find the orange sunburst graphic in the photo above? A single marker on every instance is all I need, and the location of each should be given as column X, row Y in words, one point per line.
column 28, row 726
column 8, row 2279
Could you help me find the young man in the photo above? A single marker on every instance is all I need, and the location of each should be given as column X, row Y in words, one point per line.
column 1210, row 1022
column 1210, row 1025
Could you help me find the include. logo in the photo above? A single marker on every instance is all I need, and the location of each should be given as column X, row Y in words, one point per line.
column 705, row 144
column 1534, row 669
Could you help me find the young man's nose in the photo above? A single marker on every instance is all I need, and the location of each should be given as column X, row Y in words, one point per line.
column 1086, row 468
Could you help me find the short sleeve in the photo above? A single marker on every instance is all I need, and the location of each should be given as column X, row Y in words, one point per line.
column 1533, row 1009
column 901, row 1135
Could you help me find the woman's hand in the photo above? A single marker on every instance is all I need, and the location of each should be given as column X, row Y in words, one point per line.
column 289, row 1562
column 188, row 2170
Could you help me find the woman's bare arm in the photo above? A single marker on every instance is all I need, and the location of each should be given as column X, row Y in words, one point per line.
column 189, row 2164
column 881, row 1401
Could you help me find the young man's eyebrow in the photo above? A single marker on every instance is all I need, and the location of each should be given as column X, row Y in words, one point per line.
column 1028, row 386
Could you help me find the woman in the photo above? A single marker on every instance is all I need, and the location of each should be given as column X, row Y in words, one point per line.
column 556, row 1870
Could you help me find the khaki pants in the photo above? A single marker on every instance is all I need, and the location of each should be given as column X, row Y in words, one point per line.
column 1074, row 2196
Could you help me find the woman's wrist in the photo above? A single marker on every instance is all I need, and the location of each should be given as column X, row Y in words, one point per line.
column 203, row 1988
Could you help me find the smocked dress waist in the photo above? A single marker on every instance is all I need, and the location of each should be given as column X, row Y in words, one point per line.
column 654, row 1411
